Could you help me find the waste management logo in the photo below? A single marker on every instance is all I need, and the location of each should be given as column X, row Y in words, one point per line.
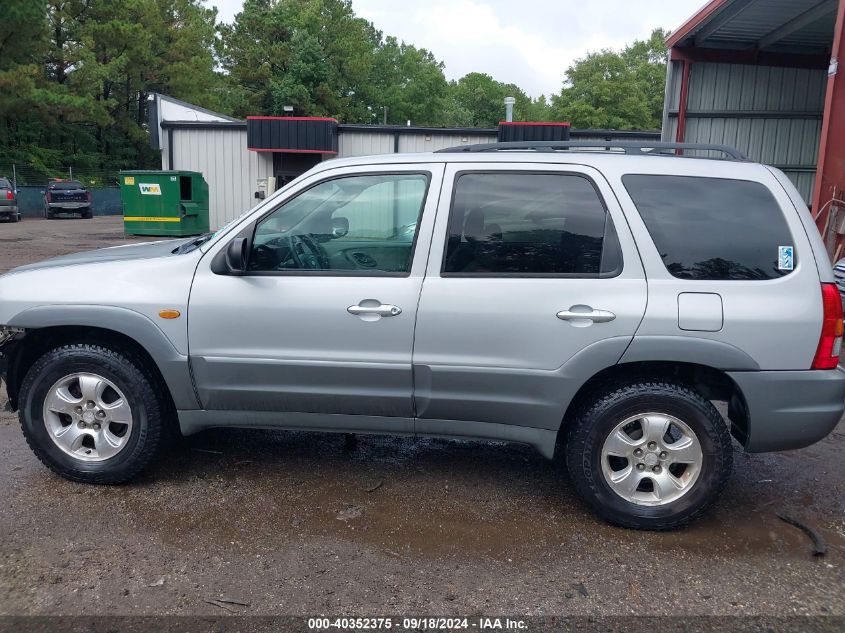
column 149, row 189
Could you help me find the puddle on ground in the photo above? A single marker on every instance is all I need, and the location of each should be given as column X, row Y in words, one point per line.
column 427, row 498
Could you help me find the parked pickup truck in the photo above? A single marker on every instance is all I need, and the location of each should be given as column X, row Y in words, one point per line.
column 594, row 304
column 66, row 196
column 8, row 201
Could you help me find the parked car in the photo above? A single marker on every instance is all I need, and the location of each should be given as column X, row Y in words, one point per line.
column 66, row 196
column 592, row 305
column 8, row 201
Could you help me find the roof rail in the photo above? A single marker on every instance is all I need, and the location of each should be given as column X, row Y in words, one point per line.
column 641, row 148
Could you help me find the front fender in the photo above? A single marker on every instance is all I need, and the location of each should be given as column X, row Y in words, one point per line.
column 174, row 367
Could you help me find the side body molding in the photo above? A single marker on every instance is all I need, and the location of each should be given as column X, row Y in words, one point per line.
column 689, row 349
column 506, row 396
column 174, row 366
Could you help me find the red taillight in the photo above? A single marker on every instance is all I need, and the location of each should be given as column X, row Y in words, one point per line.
column 49, row 197
column 88, row 196
column 10, row 195
column 830, row 341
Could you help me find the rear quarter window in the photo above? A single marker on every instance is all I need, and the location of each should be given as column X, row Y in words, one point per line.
column 714, row 228
column 66, row 185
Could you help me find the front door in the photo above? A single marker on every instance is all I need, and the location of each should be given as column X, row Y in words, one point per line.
column 323, row 321
column 527, row 294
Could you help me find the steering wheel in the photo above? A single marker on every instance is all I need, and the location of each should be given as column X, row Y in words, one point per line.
column 307, row 254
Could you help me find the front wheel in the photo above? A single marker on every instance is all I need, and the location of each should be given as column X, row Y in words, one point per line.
column 91, row 414
column 651, row 455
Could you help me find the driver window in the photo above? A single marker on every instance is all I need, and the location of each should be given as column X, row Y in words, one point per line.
column 354, row 223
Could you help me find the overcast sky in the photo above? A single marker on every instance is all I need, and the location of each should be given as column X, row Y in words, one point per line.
column 526, row 42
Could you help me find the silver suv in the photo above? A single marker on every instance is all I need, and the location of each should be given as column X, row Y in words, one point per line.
column 592, row 304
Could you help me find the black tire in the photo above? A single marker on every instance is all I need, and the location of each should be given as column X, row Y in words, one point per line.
column 129, row 374
column 598, row 417
column 14, row 217
column 87, row 215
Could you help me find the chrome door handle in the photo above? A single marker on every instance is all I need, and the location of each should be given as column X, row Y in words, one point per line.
column 382, row 310
column 596, row 316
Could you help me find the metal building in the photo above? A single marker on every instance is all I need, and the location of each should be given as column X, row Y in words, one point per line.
column 763, row 76
column 238, row 157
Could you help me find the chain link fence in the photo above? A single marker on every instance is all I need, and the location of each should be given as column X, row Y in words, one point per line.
column 30, row 182
column 29, row 176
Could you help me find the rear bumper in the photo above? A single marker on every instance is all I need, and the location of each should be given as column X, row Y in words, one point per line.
column 790, row 409
column 68, row 206
column 9, row 210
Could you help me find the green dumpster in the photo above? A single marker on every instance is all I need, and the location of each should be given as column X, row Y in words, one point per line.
column 169, row 203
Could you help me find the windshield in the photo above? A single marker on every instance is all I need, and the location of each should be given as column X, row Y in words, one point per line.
column 66, row 185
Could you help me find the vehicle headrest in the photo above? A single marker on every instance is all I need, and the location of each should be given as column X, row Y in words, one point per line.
column 474, row 225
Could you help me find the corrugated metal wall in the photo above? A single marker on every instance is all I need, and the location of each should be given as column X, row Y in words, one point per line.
column 771, row 114
column 229, row 168
column 363, row 143
column 433, row 142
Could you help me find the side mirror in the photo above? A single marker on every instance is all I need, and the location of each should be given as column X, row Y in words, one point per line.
column 236, row 256
column 340, row 227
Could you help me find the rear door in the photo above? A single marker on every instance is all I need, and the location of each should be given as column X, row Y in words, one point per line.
column 531, row 266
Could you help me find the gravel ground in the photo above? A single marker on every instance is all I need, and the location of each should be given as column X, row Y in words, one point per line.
column 295, row 523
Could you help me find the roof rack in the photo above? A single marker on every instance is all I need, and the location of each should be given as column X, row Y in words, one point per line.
column 639, row 148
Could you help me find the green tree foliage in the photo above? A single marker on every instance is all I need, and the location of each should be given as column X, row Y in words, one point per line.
column 318, row 57
column 409, row 82
column 613, row 90
column 23, row 34
column 75, row 76
column 648, row 60
column 478, row 100
column 314, row 55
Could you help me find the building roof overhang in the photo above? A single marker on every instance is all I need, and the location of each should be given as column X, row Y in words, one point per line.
column 768, row 27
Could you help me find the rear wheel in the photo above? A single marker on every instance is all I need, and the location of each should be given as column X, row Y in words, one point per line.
column 91, row 414
column 650, row 455
column 87, row 215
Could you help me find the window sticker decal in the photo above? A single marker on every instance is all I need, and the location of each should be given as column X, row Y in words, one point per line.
column 786, row 259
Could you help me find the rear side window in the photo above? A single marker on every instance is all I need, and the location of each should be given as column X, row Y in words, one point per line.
column 66, row 185
column 529, row 224
column 4, row 184
column 714, row 228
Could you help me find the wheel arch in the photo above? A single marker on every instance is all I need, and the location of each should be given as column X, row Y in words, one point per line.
column 710, row 382
column 51, row 326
